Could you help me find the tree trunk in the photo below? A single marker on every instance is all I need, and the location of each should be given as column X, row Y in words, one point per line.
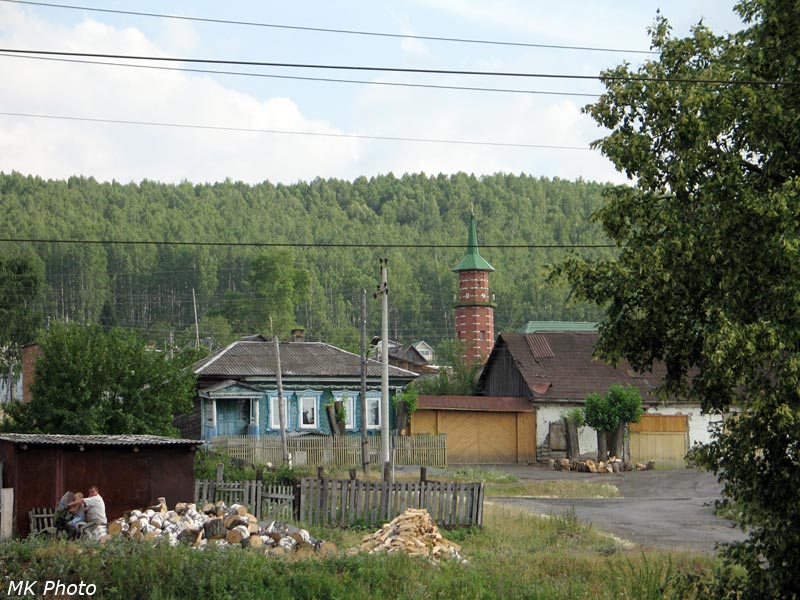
column 573, row 445
column 602, row 446
column 617, row 438
column 331, row 412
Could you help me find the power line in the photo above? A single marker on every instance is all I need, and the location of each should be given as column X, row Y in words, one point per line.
column 297, row 244
column 384, row 138
column 336, row 31
column 299, row 78
column 253, row 63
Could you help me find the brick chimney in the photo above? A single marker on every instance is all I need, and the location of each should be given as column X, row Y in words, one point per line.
column 299, row 335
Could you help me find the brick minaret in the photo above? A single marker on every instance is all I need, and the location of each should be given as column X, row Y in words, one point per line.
column 474, row 308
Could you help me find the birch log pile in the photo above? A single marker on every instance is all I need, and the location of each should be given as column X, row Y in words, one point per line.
column 612, row 465
column 215, row 524
column 413, row 532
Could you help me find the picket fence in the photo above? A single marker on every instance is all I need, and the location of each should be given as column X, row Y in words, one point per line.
column 264, row 501
column 348, row 502
column 334, row 451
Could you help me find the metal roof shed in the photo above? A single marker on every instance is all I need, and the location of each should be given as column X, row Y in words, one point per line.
column 131, row 471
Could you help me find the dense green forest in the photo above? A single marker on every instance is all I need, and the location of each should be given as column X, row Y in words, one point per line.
column 150, row 287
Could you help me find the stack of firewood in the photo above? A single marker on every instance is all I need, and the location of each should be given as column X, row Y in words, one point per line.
column 414, row 532
column 215, row 524
column 612, row 465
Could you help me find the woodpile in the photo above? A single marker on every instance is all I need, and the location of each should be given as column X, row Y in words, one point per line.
column 612, row 465
column 216, row 524
column 415, row 533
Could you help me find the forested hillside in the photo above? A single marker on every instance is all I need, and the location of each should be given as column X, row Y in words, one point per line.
column 150, row 286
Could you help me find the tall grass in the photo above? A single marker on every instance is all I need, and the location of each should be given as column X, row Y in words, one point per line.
column 515, row 555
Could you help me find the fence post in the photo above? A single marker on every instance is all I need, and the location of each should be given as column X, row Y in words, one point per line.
column 220, row 472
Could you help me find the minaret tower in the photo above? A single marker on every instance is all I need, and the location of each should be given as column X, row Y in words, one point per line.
column 474, row 308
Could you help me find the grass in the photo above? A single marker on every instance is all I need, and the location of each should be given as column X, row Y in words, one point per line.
column 499, row 483
column 515, row 555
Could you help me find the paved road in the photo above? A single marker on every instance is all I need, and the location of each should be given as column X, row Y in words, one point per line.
column 658, row 509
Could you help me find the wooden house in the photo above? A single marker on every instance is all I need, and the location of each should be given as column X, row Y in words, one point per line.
column 237, row 391
column 554, row 369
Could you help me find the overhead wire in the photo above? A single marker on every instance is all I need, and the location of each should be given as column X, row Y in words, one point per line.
column 299, row 78
column 294, row 244
column 384, row 69
column 357, row 136
column 460, row 40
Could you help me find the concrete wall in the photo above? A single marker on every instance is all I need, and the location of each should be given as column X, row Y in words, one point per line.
column 698, row 423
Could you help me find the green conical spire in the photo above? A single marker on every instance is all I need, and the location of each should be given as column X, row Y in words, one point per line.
column 473, row 261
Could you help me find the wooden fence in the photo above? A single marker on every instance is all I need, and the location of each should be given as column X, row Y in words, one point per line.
column 334, row 451
column 346, row 502
column 264, row 501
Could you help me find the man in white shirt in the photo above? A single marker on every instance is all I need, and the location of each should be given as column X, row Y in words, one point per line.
column 95, row 507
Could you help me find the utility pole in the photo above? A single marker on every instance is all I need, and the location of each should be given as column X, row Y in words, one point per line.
column 385, row 448
column 196, row 326
column 281, row 403
column 363, row 407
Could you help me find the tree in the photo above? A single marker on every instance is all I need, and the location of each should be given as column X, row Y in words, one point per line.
column 91, row 381
column 456, row 377
column 609, row 415
column 707, row 277
column 20, row 313
column 275, row 287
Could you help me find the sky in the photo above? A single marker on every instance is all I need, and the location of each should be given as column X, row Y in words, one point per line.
column 207, row 127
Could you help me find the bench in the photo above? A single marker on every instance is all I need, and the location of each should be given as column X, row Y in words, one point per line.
column 42, row 521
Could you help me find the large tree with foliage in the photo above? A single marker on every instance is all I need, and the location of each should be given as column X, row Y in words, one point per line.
column 92, row 381
column 707, row 280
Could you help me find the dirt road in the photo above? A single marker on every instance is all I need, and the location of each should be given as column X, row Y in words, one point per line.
column 658, row 509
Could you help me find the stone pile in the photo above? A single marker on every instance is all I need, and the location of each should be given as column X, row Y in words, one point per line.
column 413, row 532
column 215, row 524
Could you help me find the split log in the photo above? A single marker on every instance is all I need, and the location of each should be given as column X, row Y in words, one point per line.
column 253, row 541
column 214, row 529
column 237, row 535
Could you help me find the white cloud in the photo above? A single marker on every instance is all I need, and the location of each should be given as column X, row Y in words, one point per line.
column 60, row 148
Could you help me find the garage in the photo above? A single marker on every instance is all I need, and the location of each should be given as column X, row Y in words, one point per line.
column 480, row 429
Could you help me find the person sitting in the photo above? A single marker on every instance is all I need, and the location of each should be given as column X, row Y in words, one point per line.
column 76, row 512
column 95, row 512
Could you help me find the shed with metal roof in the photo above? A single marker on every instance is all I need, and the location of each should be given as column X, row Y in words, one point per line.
column 130, row 471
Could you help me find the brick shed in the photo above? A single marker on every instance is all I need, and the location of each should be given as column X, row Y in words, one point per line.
column 131, row 471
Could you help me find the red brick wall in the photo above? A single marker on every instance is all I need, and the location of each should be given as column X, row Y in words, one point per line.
column 475, row 322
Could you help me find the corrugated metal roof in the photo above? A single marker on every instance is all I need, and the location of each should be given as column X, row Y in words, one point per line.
column 298, row 359
column 475, row 403
column 539, row 346
column 96, row 440
column 540, row 326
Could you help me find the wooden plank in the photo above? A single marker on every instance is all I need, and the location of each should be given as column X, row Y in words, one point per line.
column 653, row 423
column 6, row 512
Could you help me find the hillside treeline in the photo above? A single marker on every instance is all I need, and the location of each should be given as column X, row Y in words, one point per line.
column 155, row 287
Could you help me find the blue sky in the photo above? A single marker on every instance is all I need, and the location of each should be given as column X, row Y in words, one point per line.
column 57, row 148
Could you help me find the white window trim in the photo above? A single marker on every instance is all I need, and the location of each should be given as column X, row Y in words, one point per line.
column 349, row 413
column 377, row 400
column 274, row 416
column 302, row 400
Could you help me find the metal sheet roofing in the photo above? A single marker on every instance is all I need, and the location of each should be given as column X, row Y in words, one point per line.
column 96, row 440
column 475, row 403
column 298, row 359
